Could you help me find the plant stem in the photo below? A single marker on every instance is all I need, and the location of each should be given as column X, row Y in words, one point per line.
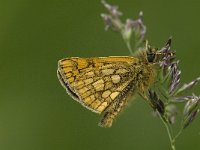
column 178, row 134
column 172, row 140
column 168, row 127
column 128, row 44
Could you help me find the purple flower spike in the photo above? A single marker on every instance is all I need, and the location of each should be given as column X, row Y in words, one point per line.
column 175, row 78
column 189, row 86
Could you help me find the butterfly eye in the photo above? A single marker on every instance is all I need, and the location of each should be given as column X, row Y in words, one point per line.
column 151, row 57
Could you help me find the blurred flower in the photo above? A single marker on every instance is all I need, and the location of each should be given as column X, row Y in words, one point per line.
column 107, row 20
column 171, row 112
column 113, row 10
column 114, row 24
column 137, row 26
column 112, row 20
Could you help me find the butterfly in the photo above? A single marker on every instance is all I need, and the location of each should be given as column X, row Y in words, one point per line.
column 106, row 84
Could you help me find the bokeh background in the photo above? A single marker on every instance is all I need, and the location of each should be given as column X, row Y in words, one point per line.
column 35, row 111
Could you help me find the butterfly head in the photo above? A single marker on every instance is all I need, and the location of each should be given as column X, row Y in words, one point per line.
column 155, row 56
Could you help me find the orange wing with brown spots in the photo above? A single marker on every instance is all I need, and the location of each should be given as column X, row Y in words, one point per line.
column 96, row 82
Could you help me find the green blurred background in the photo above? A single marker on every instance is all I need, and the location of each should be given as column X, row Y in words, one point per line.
column 35, row 111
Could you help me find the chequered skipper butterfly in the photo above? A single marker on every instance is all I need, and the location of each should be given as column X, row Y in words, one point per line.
column 105, row 84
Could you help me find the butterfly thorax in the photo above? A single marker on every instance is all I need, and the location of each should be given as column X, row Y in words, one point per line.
column 145, row 72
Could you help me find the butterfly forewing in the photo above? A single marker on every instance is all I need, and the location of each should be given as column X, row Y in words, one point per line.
column 96, row 82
